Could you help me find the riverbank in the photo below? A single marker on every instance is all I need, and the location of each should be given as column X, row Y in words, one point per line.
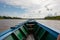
column 8, row 17
column 53, row 18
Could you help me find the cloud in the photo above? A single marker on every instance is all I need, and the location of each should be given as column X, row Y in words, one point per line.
column 23, row 3
column 34, row 6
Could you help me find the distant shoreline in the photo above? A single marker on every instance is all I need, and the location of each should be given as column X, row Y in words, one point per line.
column 46, row 18
column 53, row 18
column 8, row 17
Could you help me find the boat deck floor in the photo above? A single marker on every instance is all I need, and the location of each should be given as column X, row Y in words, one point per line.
column 30, row 37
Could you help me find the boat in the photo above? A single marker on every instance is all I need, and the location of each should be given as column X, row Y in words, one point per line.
column 30, row 27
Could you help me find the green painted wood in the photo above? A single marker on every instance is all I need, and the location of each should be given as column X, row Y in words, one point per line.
column 44, row 35
column 25, row 27
column 41, row 33
column 48, row 36
column 9, row 38
column 37, row 30
column 24, row 31
column 19, row 35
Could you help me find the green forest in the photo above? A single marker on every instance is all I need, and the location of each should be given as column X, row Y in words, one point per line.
column 53, row 17
column 8, row 17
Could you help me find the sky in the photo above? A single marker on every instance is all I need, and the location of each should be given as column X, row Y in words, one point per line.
column 29, row 8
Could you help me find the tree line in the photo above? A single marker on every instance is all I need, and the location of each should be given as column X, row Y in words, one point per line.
column 53, row 17
column 8, row 17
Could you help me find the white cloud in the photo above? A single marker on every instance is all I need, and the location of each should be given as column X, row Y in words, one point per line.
column 34, row 6
column 23, row 3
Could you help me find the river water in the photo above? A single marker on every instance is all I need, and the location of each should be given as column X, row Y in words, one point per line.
column 7, row 23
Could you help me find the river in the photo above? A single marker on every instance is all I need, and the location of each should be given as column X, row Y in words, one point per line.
column 7, row 23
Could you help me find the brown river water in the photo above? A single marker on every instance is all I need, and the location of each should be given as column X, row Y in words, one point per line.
column 7, row 23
